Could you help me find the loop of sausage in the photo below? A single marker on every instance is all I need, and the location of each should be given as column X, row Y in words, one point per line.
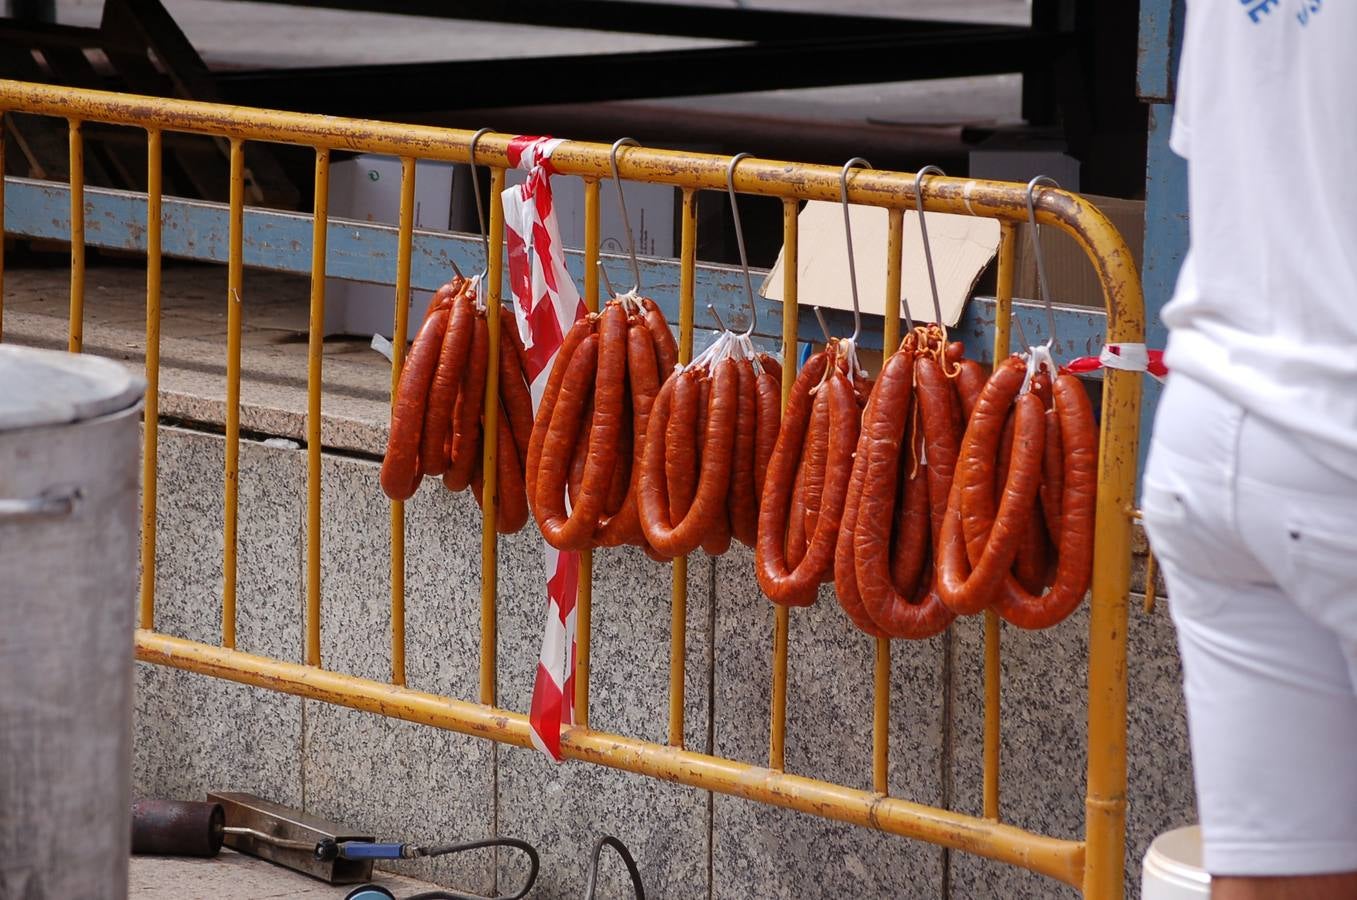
column 744, row 509
column 968, row 589
column 563, row 432
column 582, row 329
column 1053, row 477
column 813, row 465
column 912, row 528
column 579, row 456
column 466, row 416
column 772, row 368
column 783, row 463
column 1079, row 434
column 682, row 439
column 942, row 441
column 447, row 377
column 643, row 377
column 845, row 574
column 766, row 429
column 1031, row 564
column 677, row 538
column 884, row 432
column 620, row 477
column 575, row 531
column 970, row 381
column 795, row 545
column 666, row 350
column 798, row 586
column 511, row 510
column 400, row 473
column 513, row 386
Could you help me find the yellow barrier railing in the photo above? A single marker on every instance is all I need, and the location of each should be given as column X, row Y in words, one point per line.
column 1094, row 864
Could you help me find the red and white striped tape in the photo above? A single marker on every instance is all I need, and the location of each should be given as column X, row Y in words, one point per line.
column 546, row 304
column 1128, row 357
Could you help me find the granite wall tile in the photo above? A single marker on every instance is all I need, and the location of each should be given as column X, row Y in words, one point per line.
column 766, row 852
column 565, row 809
column 193, row 734
column 1044, row 749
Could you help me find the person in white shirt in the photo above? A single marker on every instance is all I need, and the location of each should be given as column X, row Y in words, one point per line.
column 1250, row 494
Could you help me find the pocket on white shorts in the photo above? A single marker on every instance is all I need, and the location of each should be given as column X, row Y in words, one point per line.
column 1321, row 553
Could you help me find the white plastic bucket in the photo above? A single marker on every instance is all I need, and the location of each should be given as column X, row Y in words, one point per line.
column 1172, row 869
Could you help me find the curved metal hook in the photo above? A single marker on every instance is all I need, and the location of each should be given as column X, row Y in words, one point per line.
column 848, row 236
column 622, row 205
column 739, row 241
column 1036, row 250
column 716, row 317
column 923, row 232
column 476, row 187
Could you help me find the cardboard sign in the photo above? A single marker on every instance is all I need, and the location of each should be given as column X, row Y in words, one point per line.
column 962, row 247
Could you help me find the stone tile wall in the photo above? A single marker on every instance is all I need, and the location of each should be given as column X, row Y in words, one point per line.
column 399, row 780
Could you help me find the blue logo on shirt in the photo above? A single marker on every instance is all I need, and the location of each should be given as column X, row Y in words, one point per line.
column 1259, row 9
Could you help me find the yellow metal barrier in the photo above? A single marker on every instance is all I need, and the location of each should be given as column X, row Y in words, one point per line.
column 1094, row 864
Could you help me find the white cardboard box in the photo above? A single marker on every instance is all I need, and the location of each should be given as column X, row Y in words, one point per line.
column 367, row 188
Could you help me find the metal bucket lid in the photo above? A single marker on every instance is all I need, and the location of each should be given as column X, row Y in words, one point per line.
column 47, row 387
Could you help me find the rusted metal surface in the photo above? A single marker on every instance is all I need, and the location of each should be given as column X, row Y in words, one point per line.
column 177, row 827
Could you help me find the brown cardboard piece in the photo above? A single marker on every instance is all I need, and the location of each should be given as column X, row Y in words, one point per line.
column 962, row 248
column 1068, row 269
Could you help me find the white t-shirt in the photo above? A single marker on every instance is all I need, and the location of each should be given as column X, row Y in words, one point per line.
column 1265, row 310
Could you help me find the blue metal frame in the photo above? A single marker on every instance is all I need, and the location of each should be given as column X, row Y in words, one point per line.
column 1166, row 235
column 365, row 251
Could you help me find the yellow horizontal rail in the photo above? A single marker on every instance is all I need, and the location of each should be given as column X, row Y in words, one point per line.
column 1060, row 859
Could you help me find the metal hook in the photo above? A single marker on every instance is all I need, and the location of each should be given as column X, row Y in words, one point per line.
column 476, row 186
column 1036, row 250
column 622, row 205
column 607, row 282
column 824, row 326
column 717, row 316
column 848, row 236
column 739, row 241
column 923, row 232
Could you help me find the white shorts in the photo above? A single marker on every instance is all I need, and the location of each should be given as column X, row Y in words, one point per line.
column 1258, row 543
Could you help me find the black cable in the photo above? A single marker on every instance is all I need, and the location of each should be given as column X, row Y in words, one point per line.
column 626, row 858
column 445, row 849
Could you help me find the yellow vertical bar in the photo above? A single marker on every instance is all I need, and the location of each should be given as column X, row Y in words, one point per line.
column 890, row 339
column 895, row 246
column 777, row 729
column 584, row 597
column 315, row 354
column 235, row 272
column 881, row 717
column 1105, row 803
column 1003, row 323
column 76, row 329
column 404, row 239
column 1003, row 293
column 678, row 593
column 490, row 446
column 151, row 418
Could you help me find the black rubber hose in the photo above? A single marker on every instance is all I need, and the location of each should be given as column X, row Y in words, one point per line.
column 445, row 849
column 623, row 852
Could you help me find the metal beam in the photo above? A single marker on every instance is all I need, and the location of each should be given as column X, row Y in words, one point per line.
column 412, row 87
column 364, row 251
column 643, row 18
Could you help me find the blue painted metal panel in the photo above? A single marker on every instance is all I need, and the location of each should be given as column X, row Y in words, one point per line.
column 364, row 251
column 1161, row 28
